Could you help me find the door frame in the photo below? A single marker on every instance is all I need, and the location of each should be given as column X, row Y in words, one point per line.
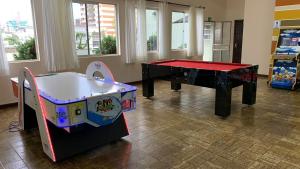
column 235, row 39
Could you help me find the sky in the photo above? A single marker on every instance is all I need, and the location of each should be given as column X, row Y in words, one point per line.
column 14, row 9
column 76, row 9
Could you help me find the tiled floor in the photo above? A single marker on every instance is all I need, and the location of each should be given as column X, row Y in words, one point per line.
column 180, row 130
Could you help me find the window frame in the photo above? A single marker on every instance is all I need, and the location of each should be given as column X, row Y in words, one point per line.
column 117, row 26
column 179, row 9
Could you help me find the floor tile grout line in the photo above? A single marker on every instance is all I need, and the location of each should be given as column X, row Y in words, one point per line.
column 19, row 156
column 1, row 165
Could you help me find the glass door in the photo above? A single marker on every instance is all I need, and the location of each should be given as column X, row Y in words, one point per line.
column 208, row 41
column 217, row 39
column 221, row 47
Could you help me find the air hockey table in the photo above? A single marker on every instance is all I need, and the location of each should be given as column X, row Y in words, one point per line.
column 74, row 112
column 220, row 76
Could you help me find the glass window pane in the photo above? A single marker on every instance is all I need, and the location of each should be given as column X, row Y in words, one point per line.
column 101, row 22
column 218, row 32
column 108, row 29
column 80, row 29
column 93, row 28
column 16, row 27
column 179, row 30
column 152, row 29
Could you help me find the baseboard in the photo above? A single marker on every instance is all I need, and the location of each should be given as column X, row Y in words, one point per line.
column 260, row 75
column 134, row 82
column 8, row 105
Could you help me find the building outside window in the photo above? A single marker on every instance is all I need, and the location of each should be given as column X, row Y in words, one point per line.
column 179, row 30
column 16, row 27
column 95, row 29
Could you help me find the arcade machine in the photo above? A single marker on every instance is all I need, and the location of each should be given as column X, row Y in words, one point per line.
column 285, row 60
column 74, row 112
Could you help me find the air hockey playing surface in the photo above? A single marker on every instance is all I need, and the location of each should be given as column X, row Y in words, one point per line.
column 69, row 87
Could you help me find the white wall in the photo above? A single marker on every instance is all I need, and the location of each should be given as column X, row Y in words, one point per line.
column 213, row 8
column 258, row 33
column 122, row 72
column 258, row 21
column 234, row 11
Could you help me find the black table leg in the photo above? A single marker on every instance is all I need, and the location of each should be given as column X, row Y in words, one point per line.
column 147, row 82
column 250, row 87
column 148, row 87
column 223, row 95
column 175, row 79
column 175, row 83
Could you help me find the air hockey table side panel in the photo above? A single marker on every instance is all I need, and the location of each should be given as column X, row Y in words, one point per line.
column 60, row 120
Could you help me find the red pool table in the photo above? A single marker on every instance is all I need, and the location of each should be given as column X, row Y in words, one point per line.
column 220, row 76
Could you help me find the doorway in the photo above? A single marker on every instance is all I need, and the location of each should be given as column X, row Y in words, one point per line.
column 238, row 41
column 217, row 41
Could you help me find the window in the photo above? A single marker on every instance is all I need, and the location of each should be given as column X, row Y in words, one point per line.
column 16, row 27
column 152, row 29
column 179, row 30
column 95, row 29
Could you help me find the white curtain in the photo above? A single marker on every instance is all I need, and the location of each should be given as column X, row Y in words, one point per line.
column 141, row 39
column 3, row 60
column 200, row 30
column 192, row 36
column 58, row 35
column 164, row 31
column 135, row 29
column 130, row 31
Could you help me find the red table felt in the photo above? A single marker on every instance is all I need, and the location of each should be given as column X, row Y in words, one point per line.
column 202, row 65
